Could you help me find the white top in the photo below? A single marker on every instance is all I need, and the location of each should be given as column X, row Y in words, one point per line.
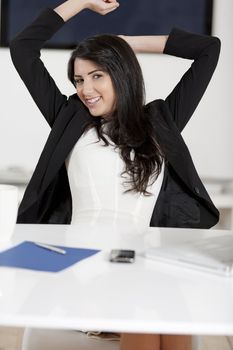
column 97, row 187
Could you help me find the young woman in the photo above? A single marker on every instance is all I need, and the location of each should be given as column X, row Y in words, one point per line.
column 109, row 156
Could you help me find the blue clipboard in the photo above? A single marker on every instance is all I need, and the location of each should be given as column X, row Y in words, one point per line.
column 27, row 255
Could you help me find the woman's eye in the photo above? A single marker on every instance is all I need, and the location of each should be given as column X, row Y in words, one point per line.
column 97, row 76
column 78, row 82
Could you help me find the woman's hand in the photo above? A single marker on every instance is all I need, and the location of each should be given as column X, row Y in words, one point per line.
column 70, row 8
column 102, row 6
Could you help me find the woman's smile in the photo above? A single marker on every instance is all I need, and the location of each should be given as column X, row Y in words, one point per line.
column 94, row 88
column 92, row 101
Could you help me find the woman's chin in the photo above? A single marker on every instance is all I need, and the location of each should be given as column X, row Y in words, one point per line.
column 98, row 114
column 95, row 114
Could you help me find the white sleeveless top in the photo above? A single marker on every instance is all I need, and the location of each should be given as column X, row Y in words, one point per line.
column 97, row 187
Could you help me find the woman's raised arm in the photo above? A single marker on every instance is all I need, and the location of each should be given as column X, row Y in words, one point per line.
column 146, row 43
column 26, row 46
column 202, row 49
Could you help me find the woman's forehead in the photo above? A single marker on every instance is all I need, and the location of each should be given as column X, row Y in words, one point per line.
column 83, row 66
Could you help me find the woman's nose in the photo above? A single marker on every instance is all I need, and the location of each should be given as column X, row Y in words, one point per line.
column 87, row 87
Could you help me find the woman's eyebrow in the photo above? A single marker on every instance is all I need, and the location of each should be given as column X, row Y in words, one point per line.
column 93, row 71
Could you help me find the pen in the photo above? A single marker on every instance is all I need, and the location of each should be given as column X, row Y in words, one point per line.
column 50, row 247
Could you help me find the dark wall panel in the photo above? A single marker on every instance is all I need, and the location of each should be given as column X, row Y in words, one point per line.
column 134, row 17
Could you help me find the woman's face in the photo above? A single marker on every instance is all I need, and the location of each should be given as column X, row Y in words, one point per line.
column 94, row 88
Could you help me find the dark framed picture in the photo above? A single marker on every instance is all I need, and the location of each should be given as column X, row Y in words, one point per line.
column 134, row 17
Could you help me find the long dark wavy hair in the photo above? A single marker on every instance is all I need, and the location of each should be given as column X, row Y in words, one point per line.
column 129, row 127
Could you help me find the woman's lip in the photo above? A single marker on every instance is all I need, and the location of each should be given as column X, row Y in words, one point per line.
column 92, row 101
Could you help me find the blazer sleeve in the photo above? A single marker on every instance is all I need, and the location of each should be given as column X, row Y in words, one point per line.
column 25, row 52
column 204, row 50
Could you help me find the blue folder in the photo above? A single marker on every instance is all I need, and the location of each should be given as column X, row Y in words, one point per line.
column 27, row 255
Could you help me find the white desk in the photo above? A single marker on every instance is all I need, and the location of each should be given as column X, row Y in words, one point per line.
column 224, row 202
column 146, row 296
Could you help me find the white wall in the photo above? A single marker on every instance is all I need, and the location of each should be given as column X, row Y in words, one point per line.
column 23, row 131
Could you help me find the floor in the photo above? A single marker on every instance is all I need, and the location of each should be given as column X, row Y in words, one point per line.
column 10, row 339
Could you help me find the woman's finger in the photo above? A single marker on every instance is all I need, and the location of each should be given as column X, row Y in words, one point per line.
column 110, row 1
column 103, row 6
column 111, row 7
column 105, row 12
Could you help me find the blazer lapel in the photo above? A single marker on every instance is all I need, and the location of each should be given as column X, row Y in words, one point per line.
column 66, row 130
column 68, row 139
column 175, row 149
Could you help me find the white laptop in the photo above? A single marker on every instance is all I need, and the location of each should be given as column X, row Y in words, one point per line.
column 214, row 254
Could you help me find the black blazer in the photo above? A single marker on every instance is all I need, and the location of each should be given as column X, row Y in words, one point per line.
column 183, row 200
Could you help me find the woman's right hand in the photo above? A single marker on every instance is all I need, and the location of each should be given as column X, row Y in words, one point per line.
column 70, row 8
column 102, row 6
